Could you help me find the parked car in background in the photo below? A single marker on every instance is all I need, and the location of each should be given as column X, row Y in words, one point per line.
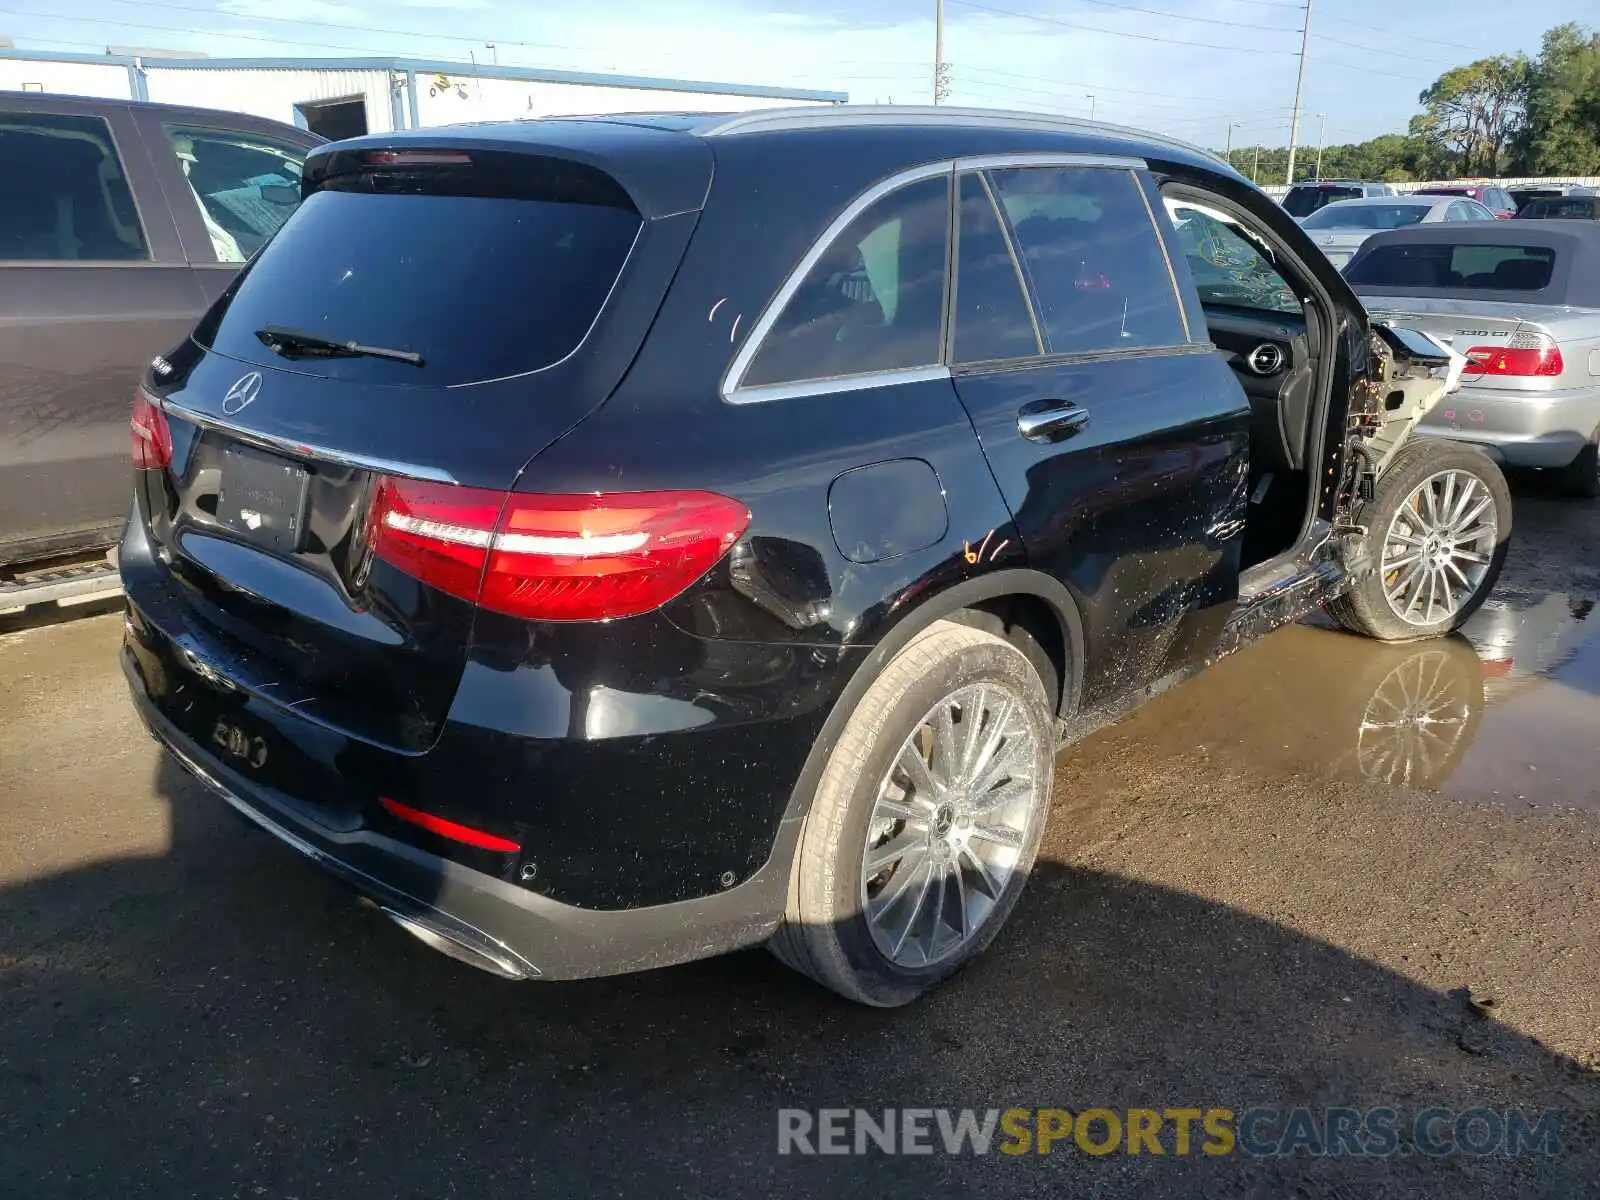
column 1574, row 207
column 1303, row 199
column 1340, row 229
column 1523, row 196
column 1492, row 196
column 1522, row 301
column 610, row 542
column 119, row 224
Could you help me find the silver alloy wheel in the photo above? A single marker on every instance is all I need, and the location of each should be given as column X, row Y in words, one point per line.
column 1438, row 547
column 1414, row 721
column 948, row 825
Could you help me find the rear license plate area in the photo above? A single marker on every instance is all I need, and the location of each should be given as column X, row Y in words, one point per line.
column 261, row 499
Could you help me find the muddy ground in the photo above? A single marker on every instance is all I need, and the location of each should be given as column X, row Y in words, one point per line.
column 1268, row 888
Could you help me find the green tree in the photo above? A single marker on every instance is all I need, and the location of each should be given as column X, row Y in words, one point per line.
column 1562, row 135
column 1471, row 114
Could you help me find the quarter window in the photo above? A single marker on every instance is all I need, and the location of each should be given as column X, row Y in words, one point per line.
column 1099, row 278
column 246, row 186
column 874, row 301
column 63, row 193
column 991, row 310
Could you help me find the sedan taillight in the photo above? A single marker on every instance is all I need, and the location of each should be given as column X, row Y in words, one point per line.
column 586, row 557
column 151, row 435
column 1530, row 355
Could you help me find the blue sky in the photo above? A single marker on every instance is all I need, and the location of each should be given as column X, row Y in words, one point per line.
column 1187, row 67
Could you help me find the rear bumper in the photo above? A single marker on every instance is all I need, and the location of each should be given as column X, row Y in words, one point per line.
column 476, row 917
column 1521, row 429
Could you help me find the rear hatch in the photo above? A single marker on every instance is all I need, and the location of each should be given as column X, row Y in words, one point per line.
column 441, row 307
column 1306, row 198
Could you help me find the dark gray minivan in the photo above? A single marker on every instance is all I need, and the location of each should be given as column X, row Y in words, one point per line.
column 120, row 222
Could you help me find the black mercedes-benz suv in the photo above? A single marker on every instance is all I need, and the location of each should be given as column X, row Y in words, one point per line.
column 610, row 542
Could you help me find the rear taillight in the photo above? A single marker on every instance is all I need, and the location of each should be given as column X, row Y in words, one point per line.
column 553, row 558
column 151, row 435
column 1527, row 354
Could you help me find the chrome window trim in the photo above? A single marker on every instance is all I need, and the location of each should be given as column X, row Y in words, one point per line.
column 733, row 377
column 762, row 393
column 1021, row 160
column 1082, row 357
column 733, row 390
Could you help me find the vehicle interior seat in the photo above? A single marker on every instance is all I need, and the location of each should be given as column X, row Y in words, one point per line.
column 1520, row 274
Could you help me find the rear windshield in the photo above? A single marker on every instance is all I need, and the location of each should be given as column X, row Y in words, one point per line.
column 1303, row 201
column 1441, row 265
column 481, row 286
column 1576, row 207
column 1366, row 216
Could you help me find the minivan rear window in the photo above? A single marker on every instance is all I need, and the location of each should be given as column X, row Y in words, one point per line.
column 480, row 286
column 1442, row 265
column 1304, row 200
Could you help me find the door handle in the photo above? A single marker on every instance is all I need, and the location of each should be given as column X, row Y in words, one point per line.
column 1051, row 420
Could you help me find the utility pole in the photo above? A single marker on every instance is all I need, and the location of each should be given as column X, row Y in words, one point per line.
column 1299, row 84
column 941, row 69
column 1090, row 95
column 1255, row 161
column 1227, row 154
column 1322, row 137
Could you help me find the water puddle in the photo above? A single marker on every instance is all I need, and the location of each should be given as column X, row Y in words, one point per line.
column 1506, row 712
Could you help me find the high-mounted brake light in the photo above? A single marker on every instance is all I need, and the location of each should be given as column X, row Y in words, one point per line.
column 584, row 557
column 151, row 447
column 1527, row 354
column 416, row 158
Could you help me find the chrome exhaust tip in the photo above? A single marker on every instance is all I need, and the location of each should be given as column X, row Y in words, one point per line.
column 484, row 954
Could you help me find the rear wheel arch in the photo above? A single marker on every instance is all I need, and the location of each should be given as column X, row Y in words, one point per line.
column 1013, row 597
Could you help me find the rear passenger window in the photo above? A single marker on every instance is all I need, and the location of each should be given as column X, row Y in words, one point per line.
column 1100, row 280
column 874, row 301
column 246, row 186
column 63, row 194
column 991, row 309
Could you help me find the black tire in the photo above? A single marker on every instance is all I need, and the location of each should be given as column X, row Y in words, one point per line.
column 1365, row 608
column 825, row 934
column 1581, row 477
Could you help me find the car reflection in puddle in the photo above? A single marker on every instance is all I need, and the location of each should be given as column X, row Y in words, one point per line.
column 1506, row 712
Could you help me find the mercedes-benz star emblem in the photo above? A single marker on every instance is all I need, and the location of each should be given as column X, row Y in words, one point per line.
column 245, row 389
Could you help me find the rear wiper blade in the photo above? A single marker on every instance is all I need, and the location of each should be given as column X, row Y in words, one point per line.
column 290, row 342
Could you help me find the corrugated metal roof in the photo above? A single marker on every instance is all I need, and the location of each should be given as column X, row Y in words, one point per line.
column 435, row 66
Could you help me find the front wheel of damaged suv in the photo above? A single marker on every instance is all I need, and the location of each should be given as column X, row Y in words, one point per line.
column 926, row 820
column 1439, row 527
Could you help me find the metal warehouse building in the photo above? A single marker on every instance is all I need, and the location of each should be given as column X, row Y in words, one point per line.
column 342, row 97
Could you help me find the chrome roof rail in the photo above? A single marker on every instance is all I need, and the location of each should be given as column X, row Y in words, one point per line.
column 841, row 116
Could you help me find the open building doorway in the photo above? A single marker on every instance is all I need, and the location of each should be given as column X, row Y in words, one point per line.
column 334, row 119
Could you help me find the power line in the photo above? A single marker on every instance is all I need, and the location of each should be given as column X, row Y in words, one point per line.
column 1157, row 12
column 1398, row 34
column 1366, row 70
column 1142, row 37
column 1101, row 87
column 1322, row 37
column 1072, row 90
